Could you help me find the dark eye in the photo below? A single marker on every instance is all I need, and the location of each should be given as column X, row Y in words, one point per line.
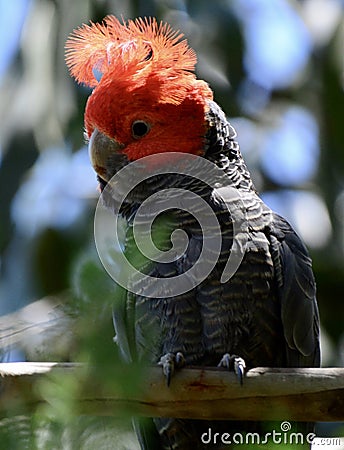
column 139, row 129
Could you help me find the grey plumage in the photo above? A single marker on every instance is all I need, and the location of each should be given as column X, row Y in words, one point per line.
column 266, row 313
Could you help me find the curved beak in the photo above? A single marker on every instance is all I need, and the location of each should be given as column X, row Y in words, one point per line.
column 100, row 148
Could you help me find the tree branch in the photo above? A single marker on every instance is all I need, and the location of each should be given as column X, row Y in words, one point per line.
column 270, row 394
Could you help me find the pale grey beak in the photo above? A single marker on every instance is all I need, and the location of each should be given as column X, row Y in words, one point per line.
column 100, row 148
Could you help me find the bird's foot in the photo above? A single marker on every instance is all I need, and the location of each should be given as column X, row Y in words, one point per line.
column 170, row 362
column 234, row 362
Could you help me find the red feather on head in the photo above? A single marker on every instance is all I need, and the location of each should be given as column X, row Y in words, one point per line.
column 145, row 67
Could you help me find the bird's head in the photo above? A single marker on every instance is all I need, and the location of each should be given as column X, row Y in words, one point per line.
column 146, row 98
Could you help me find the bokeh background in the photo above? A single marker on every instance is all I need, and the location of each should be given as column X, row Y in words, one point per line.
column 276, row 68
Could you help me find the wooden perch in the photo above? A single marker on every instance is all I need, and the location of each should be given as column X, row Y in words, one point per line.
column 272, row 394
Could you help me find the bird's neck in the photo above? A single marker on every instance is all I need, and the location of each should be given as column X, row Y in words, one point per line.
column 223, row 150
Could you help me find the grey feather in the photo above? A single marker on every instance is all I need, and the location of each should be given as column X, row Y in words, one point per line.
column 266, row 313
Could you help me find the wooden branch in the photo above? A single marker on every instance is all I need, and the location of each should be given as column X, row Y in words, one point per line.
column 270, row 394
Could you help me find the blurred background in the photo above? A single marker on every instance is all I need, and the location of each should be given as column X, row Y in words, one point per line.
column 277, row 70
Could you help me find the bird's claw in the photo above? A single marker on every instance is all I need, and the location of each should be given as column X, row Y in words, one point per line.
column 234, row 362
column 170, row 362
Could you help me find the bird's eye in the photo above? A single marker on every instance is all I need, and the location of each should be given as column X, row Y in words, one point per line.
column 139, row 129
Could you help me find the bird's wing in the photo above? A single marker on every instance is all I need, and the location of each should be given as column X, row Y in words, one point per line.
column 297, row 294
